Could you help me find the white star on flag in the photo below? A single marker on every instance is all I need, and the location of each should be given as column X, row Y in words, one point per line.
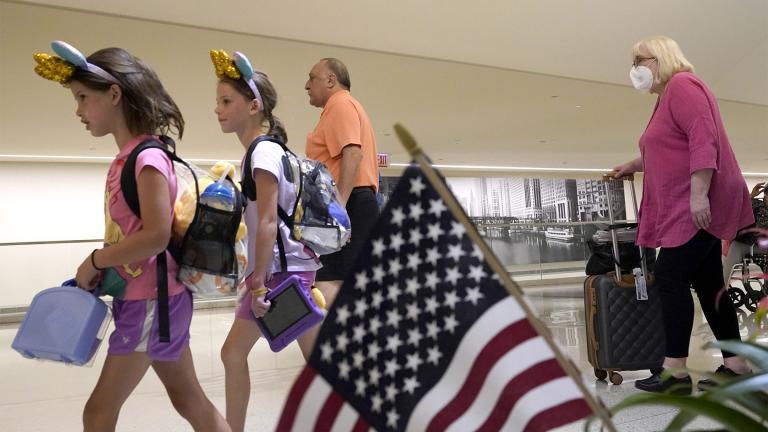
column 417, row 185
column 457, row 229
column 362, row 281
column 395, row 267
column 437, row 207
column 477, row 273
column 398, row 216
column 395, row 241
column 415, row 211
column 455, row 252
column 415, row 236
column 434, row 232
column 378, row 247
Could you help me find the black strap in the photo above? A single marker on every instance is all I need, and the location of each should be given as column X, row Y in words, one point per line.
column 128, row 175
column 248, row 186
column 163, row 316
column 281, row 249
column 131, row 194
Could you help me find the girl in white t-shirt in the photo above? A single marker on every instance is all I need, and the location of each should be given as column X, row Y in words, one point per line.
column 244, row 102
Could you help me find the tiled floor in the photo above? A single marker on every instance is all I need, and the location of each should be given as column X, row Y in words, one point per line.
column 43, row 396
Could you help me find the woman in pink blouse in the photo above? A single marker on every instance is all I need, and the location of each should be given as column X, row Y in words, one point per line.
column 693, row 196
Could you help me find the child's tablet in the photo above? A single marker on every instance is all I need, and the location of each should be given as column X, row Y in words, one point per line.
column 293, row 311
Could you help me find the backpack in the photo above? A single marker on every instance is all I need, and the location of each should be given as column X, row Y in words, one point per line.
column 208, row 243
column 317, row 220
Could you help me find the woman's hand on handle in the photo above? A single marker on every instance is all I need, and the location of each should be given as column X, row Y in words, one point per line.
column 759, row 188
column 627, row 168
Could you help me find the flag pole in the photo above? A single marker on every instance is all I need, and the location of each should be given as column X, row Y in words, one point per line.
column 418, row 155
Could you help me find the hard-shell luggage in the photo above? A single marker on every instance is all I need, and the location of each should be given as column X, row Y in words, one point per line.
column 623, row 316
column 65, row 324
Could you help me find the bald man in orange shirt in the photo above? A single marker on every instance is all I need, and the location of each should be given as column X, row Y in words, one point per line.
column 344, row 141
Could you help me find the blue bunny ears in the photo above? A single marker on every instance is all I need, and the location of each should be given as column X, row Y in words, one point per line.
column 238, row 68
column 61, row 68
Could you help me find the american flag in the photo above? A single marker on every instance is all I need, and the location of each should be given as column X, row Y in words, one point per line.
column 424, row 337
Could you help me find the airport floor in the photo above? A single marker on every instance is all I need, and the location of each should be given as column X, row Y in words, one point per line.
column 38, row 396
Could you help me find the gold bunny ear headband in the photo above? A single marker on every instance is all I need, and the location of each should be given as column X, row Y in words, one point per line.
column 237, row 68
column 60, row 68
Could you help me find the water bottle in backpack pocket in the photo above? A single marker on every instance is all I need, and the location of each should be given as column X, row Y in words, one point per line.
column 209, row 236
column 212, row 254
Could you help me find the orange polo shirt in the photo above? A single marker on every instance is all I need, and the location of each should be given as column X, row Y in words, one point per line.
column 343, row 122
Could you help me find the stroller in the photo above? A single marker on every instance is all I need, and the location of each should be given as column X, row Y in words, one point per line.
column 747, row 284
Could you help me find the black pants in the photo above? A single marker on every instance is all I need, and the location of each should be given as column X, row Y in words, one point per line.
column 696, row 263
column 363, row 210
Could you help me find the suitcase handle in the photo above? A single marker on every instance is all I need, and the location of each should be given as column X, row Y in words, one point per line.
column 630, row 177
column 591, row 319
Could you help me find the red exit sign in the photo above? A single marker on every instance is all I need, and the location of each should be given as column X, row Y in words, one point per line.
column 383, row 159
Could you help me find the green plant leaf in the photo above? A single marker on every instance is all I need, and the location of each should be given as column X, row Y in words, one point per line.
column 755, row 353
column 681, row 420
column 746, row 391
column 733, row 419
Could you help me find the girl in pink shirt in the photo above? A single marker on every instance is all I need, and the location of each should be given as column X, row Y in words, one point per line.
column 117, row 94
column 693, row 196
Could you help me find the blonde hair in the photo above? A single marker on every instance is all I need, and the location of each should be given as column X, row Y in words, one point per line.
column 668, row 54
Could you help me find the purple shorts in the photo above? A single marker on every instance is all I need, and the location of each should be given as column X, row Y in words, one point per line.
column 136, row 327
column 244, row 308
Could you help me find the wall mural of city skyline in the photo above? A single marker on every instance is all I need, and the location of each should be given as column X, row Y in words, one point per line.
column 529, row 221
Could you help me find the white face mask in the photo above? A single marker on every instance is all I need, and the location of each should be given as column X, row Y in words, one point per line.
column 642, row 77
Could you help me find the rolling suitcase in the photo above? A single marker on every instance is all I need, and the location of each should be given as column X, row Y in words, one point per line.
column 65, row 324
column 623, row 315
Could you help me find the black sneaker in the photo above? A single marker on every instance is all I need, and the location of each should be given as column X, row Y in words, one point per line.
column 706, row 383
column 672, row 385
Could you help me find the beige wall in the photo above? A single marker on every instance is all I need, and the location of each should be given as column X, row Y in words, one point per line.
column 51, row 202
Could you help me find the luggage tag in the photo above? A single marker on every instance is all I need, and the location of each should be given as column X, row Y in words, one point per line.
column 641, row 290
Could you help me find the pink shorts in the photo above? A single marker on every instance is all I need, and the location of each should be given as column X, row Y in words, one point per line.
column 137, row 330
column 244, row 308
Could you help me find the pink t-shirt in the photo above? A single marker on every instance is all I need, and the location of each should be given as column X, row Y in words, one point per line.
column 140, row 277
column 686, row 134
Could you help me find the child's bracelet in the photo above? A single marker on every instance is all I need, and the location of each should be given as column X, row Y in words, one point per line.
column 259, row 292
column 93, row 261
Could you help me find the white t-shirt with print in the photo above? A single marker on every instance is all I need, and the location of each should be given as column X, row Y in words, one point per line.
column 268, row 156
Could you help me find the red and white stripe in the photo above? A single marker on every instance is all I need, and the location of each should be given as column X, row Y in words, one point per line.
column 313, row 405
column 502, row 376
